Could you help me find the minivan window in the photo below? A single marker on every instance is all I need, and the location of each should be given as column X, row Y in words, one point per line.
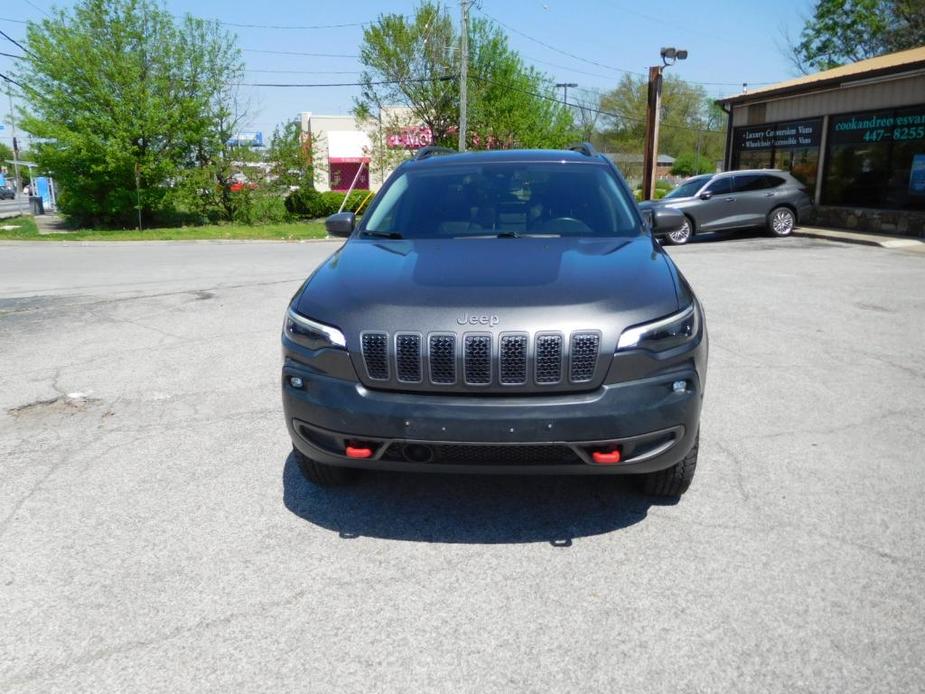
column 689, row 187
column 746, row 183
column 503, row 199
column 720, row 186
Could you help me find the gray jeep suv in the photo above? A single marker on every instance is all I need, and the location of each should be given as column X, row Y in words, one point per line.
column 734, row 200
column 504, row 311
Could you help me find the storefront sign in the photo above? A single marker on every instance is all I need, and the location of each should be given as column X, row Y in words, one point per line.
column 410, row 138
column 804, row 133
column 897, row 125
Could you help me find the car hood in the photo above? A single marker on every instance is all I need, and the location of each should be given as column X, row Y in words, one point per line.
column 493, row 285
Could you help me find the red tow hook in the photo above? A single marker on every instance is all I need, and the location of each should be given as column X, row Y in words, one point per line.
column 358, row 450
column 606, row 457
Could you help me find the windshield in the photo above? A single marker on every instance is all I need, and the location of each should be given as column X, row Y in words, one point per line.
column 689, row 187
column 503, row 199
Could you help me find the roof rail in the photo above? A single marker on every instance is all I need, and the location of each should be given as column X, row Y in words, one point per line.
column 432, row 150
column 585, row 148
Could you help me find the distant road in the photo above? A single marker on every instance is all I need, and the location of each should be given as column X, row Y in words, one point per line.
column 10, row 208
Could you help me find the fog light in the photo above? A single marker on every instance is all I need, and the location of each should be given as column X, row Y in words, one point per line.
column 295, row 382
column 679, row 386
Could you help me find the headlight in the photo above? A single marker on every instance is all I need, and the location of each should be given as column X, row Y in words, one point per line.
column 663, row 334
column 312, row 334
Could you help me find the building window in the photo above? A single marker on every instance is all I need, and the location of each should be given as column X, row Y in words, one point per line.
column 876, row 159
column 792, row 146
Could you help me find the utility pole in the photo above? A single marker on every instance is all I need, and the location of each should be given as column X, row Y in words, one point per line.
column 565, row 86
column 650, row 153
column 463, row 72
column 9, row 93
column 699, row 146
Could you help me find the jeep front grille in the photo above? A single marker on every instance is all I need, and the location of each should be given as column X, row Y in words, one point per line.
column 477, row 359
column 408, row 358
column 443, row 359
column 375, row 354
column 481, row 359
column 583, row 356
column 513, row 360
column 548, row 359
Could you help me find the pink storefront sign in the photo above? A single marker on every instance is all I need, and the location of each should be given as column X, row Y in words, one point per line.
column 410, row 138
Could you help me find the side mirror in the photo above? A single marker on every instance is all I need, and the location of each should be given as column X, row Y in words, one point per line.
column 666, row 220
column 340, row 224
column 706, row 195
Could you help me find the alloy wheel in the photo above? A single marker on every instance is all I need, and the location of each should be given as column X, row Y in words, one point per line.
column 782, row 222
column 682, row 235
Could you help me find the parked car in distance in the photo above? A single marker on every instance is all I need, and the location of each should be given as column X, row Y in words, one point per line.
column 7, row 193
column 734, row 200
column 502, row 311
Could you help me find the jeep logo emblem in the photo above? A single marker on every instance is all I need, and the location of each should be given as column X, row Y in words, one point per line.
column 485, row 319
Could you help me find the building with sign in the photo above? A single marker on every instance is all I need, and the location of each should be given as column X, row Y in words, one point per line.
column 344, row 148
column 855, row 135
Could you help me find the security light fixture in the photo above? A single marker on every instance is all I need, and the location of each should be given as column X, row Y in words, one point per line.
column 672, row 54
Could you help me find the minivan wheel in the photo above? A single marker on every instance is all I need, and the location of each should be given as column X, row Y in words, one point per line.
column 675, row 480
column 781, row 221
column 321, row 474
column 682, row 235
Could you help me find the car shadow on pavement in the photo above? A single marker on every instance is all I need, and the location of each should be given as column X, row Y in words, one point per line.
column 479, row 509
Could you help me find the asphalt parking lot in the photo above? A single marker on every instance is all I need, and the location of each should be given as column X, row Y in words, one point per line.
column 155, row 537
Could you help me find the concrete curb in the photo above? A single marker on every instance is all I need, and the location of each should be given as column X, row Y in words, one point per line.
column 880, row 240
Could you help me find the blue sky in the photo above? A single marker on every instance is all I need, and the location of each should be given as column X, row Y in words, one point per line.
column 730, row 42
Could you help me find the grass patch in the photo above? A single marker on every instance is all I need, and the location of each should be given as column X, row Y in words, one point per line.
column 26, row 230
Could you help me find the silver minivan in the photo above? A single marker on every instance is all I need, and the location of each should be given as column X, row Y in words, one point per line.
column 732, row 200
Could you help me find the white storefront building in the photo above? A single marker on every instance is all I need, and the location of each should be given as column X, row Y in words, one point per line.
column 347, row 151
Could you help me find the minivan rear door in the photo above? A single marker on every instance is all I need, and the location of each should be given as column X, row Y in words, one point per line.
column 754, row 199
column 718, row 211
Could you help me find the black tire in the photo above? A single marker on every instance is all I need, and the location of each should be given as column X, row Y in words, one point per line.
column 781, row 221
column 675, row 480
column 324, row 475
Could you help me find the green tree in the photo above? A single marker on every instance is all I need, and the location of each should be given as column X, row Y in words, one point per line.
column 414, row 63
column 289, row 157
column 689, row 120
column 844, row 31
column 689, row 164
column 121, row 94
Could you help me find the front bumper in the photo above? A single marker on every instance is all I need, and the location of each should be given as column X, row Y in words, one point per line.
column 654, row 425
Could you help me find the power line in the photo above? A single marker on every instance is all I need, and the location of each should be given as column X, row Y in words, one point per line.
column 612, row 114
column 594, row 62
column 15, row 21
column 306, row 72
column 36, row 7
column 15, row 42
column 11, row 80
column 311, row 55
column 344, row 84
column 557, row 50
column 10, row 55
column 293, row 26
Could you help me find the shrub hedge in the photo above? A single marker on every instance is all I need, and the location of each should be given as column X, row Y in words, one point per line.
column 308, row 202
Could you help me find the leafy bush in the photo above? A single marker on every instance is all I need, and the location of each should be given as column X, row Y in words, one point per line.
column 253, row 206
column 688, row 164
column 662, row 188
column 308, row 202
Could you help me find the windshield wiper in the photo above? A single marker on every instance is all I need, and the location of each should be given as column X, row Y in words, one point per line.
column 384, row 234
column 508, row 235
